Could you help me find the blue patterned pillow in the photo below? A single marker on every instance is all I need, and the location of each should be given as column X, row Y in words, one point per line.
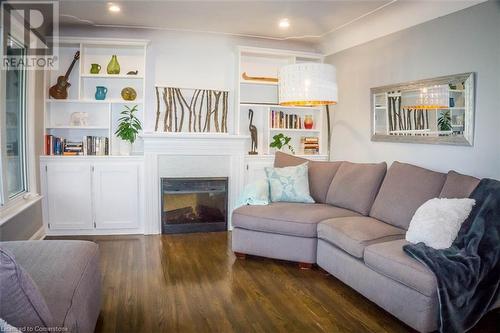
column 289, row 184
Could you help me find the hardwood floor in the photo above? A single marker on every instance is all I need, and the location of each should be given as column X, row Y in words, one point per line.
column 194, row 283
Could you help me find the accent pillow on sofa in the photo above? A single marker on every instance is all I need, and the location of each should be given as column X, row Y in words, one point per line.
column 321, row 173
column 21, row 303
column 436, row 223
column 289, row 184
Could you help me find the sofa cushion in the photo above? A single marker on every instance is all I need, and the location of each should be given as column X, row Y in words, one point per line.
column 353, row 234
column 67, row 274
column 289, row 184
column 355, row 186
column 390, row 260
column 21, row 303
column 458, row 186
column 405, row 188
column 294, row 219
column 320, row 173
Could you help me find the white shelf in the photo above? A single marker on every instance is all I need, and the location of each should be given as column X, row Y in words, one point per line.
column 304, row 130
column 94, row 101
column 80, row 127
column 261, row 83
column 277, row 106
column 111, row 76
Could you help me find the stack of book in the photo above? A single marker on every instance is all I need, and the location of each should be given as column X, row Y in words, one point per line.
column 310, row 145
column 280, row 119
column 90, row 145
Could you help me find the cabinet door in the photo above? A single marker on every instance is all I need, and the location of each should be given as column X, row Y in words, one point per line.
column 68, row 196
column 116, row 195
column 255, row 169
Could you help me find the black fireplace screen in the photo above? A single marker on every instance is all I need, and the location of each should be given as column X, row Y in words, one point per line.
column 193, row 204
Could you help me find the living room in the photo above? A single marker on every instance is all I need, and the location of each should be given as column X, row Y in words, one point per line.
column 247, row 166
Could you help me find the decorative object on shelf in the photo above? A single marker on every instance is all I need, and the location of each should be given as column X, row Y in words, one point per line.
column 425, row 111
column 201, row 105
column 281, row 140
column 133, row 72
column 258, row 78
column 253, row 134
column 60, row 89
column 308, row 84
column 79, row 119
column 113, row 66
column 100, row 93
column 128, row 128
column 308, row 122
column 95, row 68
column 129, row 94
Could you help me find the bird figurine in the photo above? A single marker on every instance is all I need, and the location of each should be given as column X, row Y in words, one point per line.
column 253, row 134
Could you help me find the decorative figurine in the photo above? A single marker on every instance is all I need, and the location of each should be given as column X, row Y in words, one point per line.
column 79, row 119
column 253, row 134
column 133, row 72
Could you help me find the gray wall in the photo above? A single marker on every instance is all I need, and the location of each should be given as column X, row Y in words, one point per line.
column 465, row 41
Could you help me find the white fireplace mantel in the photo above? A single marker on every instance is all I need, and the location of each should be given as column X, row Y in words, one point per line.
column 190, row 155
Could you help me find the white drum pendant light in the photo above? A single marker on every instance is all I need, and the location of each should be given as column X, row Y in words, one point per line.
column 307, row 84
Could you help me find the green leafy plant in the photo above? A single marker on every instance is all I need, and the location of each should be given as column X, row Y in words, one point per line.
column 444, row 121
column 280, row 141
column 129, row 125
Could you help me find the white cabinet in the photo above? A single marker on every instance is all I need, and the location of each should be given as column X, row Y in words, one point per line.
column 69, row 205
column 92, row 195
column 116, row 193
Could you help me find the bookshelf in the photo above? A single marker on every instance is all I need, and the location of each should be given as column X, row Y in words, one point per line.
column 101, row 116
column 262, row 98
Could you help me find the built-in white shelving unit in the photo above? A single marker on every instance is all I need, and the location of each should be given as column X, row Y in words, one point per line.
column 102, row 115
column 262, row 98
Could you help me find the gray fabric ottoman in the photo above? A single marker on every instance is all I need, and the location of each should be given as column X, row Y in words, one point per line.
column 68, row 276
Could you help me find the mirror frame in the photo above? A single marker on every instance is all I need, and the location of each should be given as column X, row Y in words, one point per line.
column 467, row 139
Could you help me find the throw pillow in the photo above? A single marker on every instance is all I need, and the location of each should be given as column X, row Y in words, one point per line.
column 21, row 303
column 255, row 193
column 289, row 184
column 436, row 223
column 5, row 327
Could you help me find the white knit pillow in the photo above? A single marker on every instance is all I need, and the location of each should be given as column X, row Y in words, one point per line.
column 436, row 223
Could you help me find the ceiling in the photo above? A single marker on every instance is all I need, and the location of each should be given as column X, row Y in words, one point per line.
column 310, row 21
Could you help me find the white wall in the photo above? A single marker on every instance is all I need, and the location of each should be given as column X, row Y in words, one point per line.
column 185, row 59
column 465, row 41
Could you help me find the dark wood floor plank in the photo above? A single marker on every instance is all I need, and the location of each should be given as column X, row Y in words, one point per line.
column 194, row 283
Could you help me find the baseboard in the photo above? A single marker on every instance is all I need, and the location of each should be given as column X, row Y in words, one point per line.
column 39, row 234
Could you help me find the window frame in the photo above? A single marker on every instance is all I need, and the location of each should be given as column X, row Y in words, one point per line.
column 11, row 205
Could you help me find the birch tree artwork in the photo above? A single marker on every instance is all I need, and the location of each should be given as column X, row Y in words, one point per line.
column 403, row 120
column 191, row 110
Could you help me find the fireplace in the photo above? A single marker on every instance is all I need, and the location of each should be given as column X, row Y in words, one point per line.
column 193, row 205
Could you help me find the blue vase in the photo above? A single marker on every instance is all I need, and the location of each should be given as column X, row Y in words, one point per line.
column 100, row 93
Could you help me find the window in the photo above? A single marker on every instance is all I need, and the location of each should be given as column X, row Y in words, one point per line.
column 14, row 170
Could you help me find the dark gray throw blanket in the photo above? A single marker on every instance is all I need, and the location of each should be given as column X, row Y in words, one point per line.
column 468, row 273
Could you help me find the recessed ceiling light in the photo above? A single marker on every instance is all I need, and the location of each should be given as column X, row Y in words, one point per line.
column 113, row 8
column 284, row 23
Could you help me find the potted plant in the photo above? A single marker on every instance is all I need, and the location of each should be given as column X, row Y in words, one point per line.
column 128, row 128
column 444, row 121
column 280, row 140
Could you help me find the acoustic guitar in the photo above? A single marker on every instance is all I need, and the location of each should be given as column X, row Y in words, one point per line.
column 60, row 89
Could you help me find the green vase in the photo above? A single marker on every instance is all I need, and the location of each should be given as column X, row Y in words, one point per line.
column 113, row 66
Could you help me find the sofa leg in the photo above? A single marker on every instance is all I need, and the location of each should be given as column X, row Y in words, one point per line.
column 305, row 265
column 241, row 256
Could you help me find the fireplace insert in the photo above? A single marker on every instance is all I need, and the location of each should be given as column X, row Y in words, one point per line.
column 193, row 205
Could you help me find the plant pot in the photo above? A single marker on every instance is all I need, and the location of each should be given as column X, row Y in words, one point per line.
column 125, row 147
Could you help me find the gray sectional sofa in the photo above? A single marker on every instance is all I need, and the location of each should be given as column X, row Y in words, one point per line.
column 356, row 230
column 58, row 285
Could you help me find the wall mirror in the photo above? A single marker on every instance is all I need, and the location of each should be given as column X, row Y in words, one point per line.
column 436, row 111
